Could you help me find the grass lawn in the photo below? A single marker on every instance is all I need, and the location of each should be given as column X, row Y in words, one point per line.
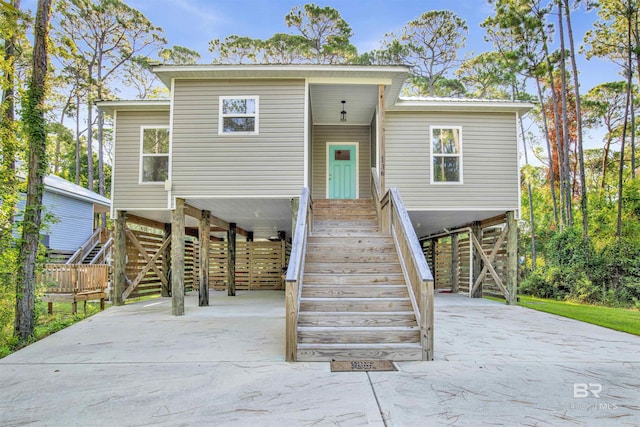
column 47, row 324
column 620, row 319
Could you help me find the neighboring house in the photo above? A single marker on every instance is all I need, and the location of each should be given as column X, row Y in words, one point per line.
column 240, row 142
column 74, row 210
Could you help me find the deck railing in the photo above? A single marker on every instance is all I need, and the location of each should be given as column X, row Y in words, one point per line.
column 295, row 271
column 395, row 221
column 86, row 247
column 74, row 278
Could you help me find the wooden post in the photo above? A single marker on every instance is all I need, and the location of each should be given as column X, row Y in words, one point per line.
column 204, row 233
column 381, row 139
column 455, row 263
column 177, row 259
column 434, row 259
column 119, row 259
column 282, row 235
column 295, row 205
column 166, row 261
column 476, row 229
column 250, row 236
column 231, row 245
column 512, row 259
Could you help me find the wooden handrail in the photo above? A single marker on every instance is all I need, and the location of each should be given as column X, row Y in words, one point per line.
column 86, row 247
column 102, row 255
column 394, row 220
column 295, row 271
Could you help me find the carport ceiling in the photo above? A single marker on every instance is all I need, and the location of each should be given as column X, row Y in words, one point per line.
column 326, row 103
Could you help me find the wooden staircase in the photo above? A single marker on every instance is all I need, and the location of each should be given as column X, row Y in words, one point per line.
column 92, row 254
column 354, row 301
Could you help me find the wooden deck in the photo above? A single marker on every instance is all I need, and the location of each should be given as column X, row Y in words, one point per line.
column 73, row 283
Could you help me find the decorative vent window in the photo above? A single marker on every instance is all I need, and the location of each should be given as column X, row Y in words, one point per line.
column 446, row 154
column 238, row 115
column 154, row 158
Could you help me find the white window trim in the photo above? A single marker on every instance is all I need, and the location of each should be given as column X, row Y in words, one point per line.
column 142, row 154
column 459, row 155
column 256, row 115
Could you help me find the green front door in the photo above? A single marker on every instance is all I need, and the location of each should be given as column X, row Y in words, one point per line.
column 343, row 171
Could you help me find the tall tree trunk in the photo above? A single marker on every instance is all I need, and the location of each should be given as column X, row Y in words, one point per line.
column 633, row 116
column 580, row 152
column 8, row 147
column 605, row 158
column 90, row 131
column 627, row 104
column 34, row 121
column 552, row 179
column 565, row 118
column 78, row 144
column 530, row 194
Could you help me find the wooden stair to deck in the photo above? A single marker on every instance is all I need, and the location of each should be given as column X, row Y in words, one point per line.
column 354, row 301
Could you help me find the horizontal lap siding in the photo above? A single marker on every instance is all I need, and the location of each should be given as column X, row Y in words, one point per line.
column 490, row 161
column 324, row 134
column 127, row 192
column 207, row 164
column 72, row 224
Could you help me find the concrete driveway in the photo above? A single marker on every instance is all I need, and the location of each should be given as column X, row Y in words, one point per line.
column 223, row 365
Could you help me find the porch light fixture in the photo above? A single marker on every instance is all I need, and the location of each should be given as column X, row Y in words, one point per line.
column 343, row 113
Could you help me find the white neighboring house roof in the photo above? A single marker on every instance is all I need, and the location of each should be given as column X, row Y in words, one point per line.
column 55, row 184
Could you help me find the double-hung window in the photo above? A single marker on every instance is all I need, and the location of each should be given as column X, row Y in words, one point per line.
column 154, row 154
column 238, row 115
column 446, row 154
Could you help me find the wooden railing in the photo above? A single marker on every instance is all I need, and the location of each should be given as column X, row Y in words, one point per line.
column 295, row 271
column 86, row 247
column 102, row 257
column 395, row 221
column 74, row 278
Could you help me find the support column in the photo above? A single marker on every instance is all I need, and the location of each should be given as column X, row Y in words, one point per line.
column 204, row 233
column 177, row 259
column 231, row 267
column 476, row 229
column 381, row 138
column 166, row 262
column 455, row 263
column 119, row 259
column 512, row 258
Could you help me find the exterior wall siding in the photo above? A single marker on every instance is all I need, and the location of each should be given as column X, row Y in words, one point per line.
column 70, row 224
column 324, row 134
column 490, row 161
column 270, row 164
column 128, row 193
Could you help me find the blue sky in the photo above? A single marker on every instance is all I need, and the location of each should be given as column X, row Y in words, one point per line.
column 193, row 23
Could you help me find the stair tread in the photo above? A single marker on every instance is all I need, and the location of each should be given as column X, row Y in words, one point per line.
column 386, row 345
column 357, row 328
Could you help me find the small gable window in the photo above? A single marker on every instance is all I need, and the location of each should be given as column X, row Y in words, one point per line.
column 238, row 115
column 154, row 154
column 446, row 154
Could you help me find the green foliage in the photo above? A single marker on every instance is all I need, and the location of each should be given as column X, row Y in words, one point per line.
column 429, row 44
column 323, row 38
column 575, row 270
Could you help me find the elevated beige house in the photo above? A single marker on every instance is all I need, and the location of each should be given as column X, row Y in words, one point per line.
column 333, row 159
